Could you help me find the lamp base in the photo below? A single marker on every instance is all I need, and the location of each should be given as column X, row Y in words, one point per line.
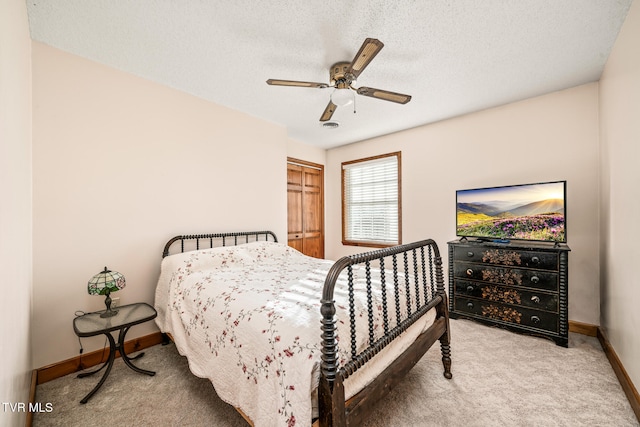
column 109, row 313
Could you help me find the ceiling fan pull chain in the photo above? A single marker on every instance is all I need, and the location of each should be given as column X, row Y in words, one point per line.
column 354, row 105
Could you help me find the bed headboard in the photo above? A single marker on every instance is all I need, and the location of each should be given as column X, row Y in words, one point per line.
column 195, row 242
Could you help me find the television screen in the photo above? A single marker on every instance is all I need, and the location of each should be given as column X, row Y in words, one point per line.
column 522, row 212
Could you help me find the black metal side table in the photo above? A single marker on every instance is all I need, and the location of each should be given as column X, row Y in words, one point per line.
column 92, row 324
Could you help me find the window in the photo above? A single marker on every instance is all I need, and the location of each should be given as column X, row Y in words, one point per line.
column 371, row 201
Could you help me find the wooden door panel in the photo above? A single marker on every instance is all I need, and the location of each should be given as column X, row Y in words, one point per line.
column 312, row 201
column 296, row 242
column 305, row 209
column 312, row 178
column 312, row 212
column 314, row 246
column 294, row 212
column 294, row 174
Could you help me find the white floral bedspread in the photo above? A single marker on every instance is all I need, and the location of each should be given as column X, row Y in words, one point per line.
column 248, row 318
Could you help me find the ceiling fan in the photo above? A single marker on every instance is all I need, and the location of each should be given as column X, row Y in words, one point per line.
column 342, row 75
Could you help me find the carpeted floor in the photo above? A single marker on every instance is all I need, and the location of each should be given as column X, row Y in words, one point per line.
column 499, row 379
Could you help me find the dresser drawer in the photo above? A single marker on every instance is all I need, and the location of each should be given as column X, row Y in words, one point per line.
column 507, row 257
column 508, row 295
column 507, row 313
column 507, row 276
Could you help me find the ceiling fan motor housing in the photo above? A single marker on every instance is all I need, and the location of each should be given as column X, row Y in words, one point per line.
column 339, row 75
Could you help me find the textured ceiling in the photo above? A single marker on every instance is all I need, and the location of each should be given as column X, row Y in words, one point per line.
column 452, row 56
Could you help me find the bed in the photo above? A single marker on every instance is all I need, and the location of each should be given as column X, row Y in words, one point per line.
column 292, row 340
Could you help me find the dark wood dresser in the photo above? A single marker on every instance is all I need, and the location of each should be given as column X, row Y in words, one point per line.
column 521, row 286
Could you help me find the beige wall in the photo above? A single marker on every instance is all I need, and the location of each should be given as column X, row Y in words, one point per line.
column 120, row 165
column 15, row 208
column 552, row 137
column 620, row 153
column 302, row 151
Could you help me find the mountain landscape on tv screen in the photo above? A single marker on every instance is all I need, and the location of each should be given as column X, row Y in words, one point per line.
column 539, row 220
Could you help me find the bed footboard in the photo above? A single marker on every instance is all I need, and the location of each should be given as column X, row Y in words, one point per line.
column 414, row 270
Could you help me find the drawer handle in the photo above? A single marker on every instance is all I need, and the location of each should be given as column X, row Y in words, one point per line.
column 535, row 279
column 470, row 304
column 470, row 288
column 535, row 260
column 535, row 319
column 469, row 272
column 470, row 254
column 535, row 299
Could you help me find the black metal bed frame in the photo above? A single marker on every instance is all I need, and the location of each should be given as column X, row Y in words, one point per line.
column 248, row 236
column 417, row 259
column 421, row 278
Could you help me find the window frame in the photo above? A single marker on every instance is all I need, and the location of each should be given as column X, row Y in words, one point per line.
column 371, row 243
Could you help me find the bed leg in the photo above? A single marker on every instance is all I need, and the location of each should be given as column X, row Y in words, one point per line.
column 331, row 404
column 445, row 339
column 166, row 339
column 446, row 355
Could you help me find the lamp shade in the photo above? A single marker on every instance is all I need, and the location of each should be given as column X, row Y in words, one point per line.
column 105, row 282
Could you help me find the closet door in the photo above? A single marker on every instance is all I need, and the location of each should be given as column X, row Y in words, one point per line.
column 305, row 207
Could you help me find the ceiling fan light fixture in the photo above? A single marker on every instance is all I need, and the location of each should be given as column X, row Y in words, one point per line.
column 342, row 97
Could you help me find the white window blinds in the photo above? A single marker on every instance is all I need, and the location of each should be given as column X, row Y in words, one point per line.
column 371, row 194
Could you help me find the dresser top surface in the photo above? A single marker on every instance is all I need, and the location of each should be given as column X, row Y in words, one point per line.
column 513, row 244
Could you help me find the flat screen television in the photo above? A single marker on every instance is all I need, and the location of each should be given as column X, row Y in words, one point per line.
column 514, row 212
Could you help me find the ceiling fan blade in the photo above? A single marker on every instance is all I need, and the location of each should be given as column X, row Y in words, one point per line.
column 365, row 55
column 296, row 83
column 328, row 112
column 384, row 95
